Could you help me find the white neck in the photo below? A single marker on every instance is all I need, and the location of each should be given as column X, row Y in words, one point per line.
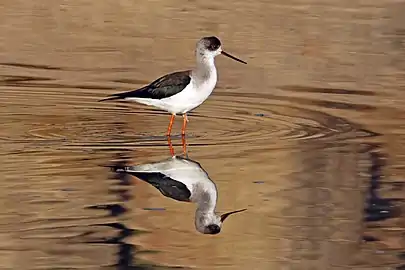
column 203, row 218
column 205, row 67
column 206, row 60
column 206, row 202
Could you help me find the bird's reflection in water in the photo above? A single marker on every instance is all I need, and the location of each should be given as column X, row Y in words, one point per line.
column 183, row 179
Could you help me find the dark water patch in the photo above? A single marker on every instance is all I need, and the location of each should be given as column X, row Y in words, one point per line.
column 31, row 66
column 120, row 188
column 121, row 194
column 31, row 83
column 114, row 210
column 127, row 254
column 122, row 233
column 64, row 68
column 370, row 238
column 326, row 90
column 377, row 208
column 154, row 208
column 131, row 81
column 11, row 80
column 343, row 106
column 95, row 49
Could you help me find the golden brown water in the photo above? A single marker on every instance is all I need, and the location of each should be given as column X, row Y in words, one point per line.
column 297, row 136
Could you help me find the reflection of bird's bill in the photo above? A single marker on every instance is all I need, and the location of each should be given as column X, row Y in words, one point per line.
column 232, row 57
column 224, row 216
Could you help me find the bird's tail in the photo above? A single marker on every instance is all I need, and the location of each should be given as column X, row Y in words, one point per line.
column 112, row 97
column 124, row 95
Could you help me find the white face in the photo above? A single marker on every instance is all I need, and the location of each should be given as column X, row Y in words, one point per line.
column 210, row 47
column 204, row 223
column 212, row 54
column 206, row 53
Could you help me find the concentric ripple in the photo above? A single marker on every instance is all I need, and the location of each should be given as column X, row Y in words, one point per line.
column 73, row 118
column 224, row 119
column 259, row 119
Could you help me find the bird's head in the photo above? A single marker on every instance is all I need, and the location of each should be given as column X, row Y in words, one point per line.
column 210, row 47
column 212, row 223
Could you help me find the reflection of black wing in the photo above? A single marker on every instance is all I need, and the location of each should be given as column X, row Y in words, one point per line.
column 164, row 87
column 166, row 185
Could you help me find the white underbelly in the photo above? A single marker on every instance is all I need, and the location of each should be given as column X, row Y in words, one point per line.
column 188, row 99
column 175, row 105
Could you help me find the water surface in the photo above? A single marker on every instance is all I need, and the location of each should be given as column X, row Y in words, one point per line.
column 303, row 136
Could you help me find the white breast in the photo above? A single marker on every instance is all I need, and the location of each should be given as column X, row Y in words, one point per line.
column 192, row 96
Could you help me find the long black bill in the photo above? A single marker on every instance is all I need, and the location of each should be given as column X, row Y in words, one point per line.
column 233, row 57
column 224, row 216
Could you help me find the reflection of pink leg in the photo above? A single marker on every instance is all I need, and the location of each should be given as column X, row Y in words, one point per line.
column 185, row 120
column 169, row 129
column 183, row 142
column 169, row 141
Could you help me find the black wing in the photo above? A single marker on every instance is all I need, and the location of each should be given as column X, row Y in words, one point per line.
column 166, row 86
column 166, row 185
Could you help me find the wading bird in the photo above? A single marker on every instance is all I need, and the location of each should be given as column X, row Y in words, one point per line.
column 183, row 91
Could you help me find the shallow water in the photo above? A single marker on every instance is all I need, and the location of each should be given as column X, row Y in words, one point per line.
column 308, row 136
